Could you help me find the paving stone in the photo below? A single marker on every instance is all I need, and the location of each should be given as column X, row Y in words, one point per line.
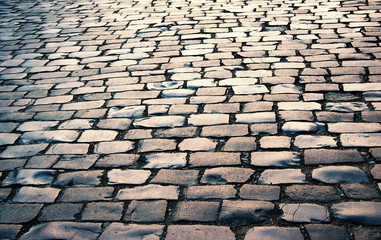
column 213, row 159
column 126, row 112
column 97, row 135
column 360, row 191
column 208, row 119
column 86, row 194
column 120, row 124
column 329, row 156
column 29, row 177
column 49, row 136
column 308, row 141
column 339, row 174
column 149, row 145
column 79, row 178
column 304, row 212
column 225, row 130
column 176, row 177
column 364, row 213
column 63, row 230
column 9, row 231
column 224, row 175
column 285, row 176
column 259, row 117
column 18, row 213
column 275, row 142
column 197, row 144
column 198, row 211
column 273, row 233
column 18, row 151
column 360, row 140
column 301, row 127
column 175, row 132
column 67, row 148
column 321, row 231
column 37, row 126
column 119, row 176
column 375, row 171
column 237, row 144
column 76, row 161
column 131, row 231
column 116, row 160
column 148, row 192
column 36, row 195
column 307, row 193
column 45, row 161
column 278, row 159
column 259, row 192
column 113, row 147
column 361, row 233
column 75, row 124
column 165, row 160
column 160, row 121
column 146, row 211
column 245, row 212
column 202, row 232
column 102, row 211
column 210, row 192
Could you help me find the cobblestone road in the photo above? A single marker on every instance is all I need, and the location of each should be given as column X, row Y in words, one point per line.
column 223, row 119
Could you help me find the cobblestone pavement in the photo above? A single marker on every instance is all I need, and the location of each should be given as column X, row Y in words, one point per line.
column 204, row 119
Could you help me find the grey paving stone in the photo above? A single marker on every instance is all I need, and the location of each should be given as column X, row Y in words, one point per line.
column 18, row 151
column 79, row 178
column 128, row 176
column 275, row 159
column 303, row 212
column 9, row 231
column 131, row 231
column 223, row 175
column 60, row 212
column 18, row 213
column 160, row 121
column 29, row 177
column 202, row 232
column 199, row 211
column 339, row 174
column 176, row 177
column 330, row 156
column 321, row 231
column 364, row 213
column 307, row 193
column 76, row 161
column 148, row 192
column 210, row 192
column 36, row 195
column 49, row 136
column 86, row 194
column 273, row 233
column 102, row 211
column 146, row 211
column 213, row 159
column 245, row 212
column 259, row 192
column 63, row 230
column 284, row 176
column 113, row 147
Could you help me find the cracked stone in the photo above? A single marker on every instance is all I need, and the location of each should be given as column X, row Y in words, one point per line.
column 304, row 212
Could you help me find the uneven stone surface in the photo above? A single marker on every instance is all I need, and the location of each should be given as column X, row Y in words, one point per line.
column 223, row 119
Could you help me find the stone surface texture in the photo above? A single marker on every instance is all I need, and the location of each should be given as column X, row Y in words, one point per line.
column 191, row 119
